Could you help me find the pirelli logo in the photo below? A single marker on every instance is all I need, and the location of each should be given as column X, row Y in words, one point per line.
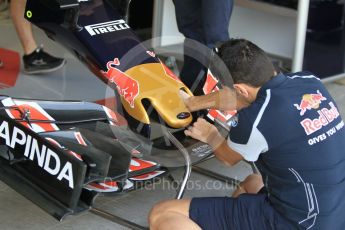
column 106, row 27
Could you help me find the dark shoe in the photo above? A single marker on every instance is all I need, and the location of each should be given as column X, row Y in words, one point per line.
column 41, row 62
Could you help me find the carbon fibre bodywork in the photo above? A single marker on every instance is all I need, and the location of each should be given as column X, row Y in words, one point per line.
column 98, row 36
column 51, row 158
column 62, row 154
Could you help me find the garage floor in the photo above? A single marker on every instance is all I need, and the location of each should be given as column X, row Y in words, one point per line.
column 74, row 82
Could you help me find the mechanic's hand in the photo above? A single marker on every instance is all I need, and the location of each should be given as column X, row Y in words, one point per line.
column 205, row 132
column 187, row 99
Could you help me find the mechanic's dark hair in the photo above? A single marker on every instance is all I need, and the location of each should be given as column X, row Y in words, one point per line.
column 246, row 62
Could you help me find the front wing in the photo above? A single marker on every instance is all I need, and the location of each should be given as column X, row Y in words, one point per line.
column 61, row 155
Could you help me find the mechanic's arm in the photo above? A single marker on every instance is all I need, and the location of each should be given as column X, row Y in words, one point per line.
column 208, row 133
column 224, row 99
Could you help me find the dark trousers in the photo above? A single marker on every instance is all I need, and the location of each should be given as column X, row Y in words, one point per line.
column 204, row 21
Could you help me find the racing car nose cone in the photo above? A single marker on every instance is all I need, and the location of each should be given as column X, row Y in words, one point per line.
column 183, row 115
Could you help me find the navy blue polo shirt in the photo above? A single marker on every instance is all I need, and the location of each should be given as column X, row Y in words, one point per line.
column 296, row 135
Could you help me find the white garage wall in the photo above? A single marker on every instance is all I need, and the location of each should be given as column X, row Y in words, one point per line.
column 273, row 32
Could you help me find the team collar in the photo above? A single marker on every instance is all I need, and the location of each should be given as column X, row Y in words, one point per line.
column 273, row 83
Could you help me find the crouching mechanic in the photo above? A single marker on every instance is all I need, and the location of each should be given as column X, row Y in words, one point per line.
column 290, row 126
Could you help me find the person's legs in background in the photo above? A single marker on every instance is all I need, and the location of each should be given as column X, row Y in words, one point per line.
column 215, row 20
column 3, row 7
column 206, row 22
column 189, row 22
column 23, row 27
column 189, row 19
column 35, row 59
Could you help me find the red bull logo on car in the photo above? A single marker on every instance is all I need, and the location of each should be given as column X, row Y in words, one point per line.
column 127, row 87
column 310, row 101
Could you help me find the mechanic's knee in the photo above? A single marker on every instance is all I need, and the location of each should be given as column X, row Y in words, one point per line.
column 253, row 177
column 253, row 183
column 164, row 209
column 158, row 211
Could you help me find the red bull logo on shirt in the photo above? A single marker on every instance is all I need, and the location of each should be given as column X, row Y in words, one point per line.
column 326, row 116
column 127, row 87
column 310, row 101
